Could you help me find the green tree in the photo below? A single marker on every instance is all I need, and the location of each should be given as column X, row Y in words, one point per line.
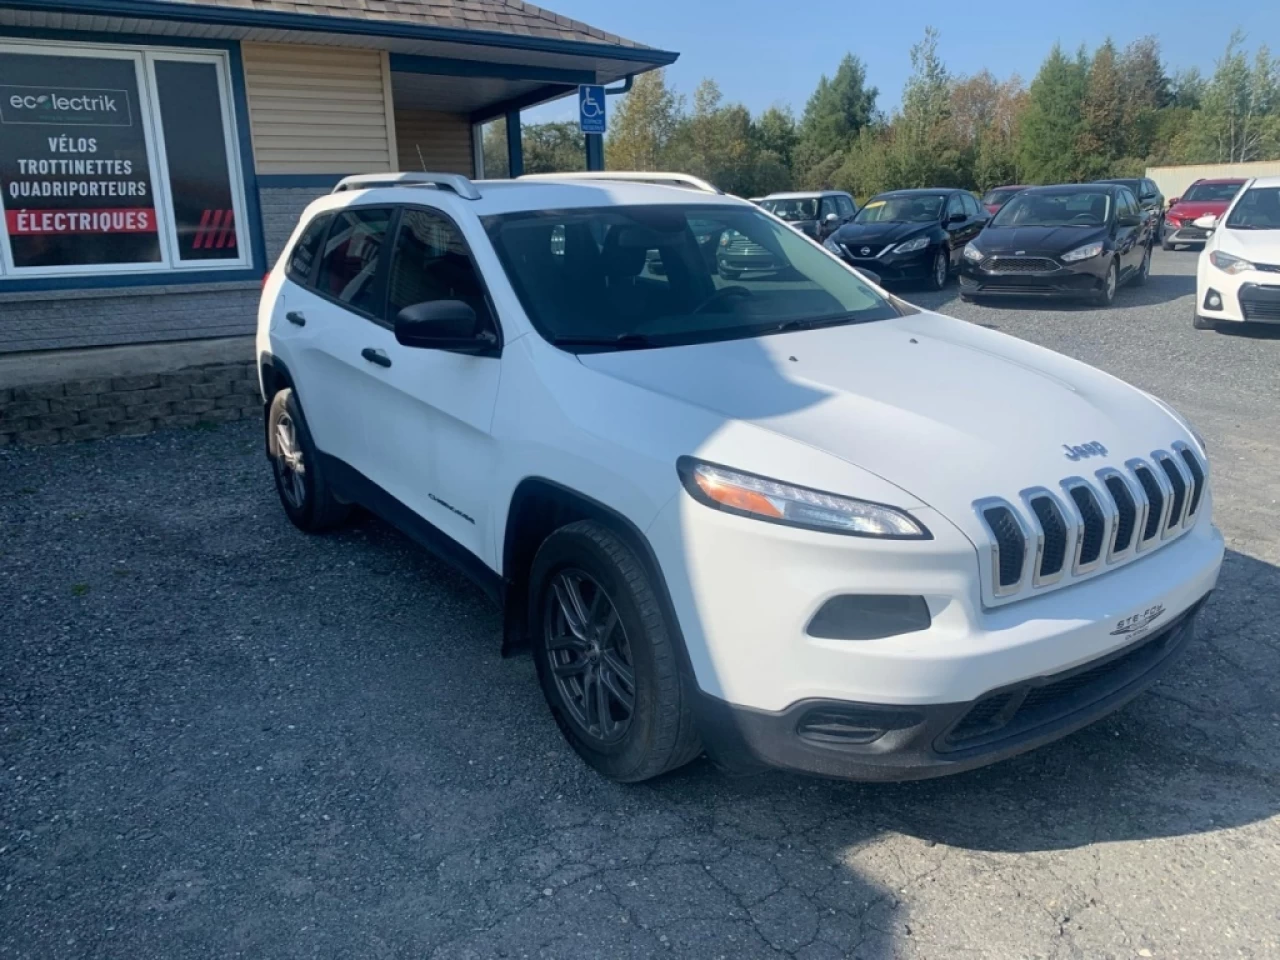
column 1239, row 119
column 924, row 151
column 1145, row 91
column 495, row 150
column 554, row 147
column 1101, row 140
column 775, row 133
column 1050, row 129
column 643, row 125
column 985, row 114
column 716, row 141
column 837, row 110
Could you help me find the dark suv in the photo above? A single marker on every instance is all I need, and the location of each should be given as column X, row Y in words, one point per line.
column 1150, row 199
column 817, row 213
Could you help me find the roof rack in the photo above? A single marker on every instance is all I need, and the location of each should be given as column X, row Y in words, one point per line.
column 688, row 181
column 441, row 181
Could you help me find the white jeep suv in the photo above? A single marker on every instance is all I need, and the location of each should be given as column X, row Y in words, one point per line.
column 1238, row 275
column 787, row 519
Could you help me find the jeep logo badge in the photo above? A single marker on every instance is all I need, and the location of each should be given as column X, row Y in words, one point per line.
column 1084, row 451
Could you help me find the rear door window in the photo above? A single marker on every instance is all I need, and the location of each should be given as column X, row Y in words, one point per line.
column 351, row 256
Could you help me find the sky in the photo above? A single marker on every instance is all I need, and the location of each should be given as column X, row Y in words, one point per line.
column 760, row 56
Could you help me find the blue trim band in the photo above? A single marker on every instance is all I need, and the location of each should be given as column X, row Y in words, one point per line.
column 238, row 16
column 278, row 181
column 116, row 281
column 445, row 67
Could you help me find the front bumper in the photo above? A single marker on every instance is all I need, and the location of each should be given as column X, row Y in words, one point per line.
column 893, row 267
column 864, row 741
column 1075, row 280
column 746, row 263
column 1252, row 297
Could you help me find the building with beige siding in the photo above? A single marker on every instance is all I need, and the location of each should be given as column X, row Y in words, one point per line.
column 155, row 154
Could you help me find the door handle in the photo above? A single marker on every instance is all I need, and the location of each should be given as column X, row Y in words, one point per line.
column 296, row 318
column 376, row 356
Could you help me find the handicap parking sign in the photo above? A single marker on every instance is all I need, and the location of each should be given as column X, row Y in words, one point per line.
column 591, row 108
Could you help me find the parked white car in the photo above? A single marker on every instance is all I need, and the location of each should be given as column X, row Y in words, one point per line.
column 1238, row 276
column 793, row 521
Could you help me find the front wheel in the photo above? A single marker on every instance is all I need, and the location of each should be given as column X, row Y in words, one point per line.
column 940, row 270
column 1202, row 323
column 1107, row 295
column 606, row 657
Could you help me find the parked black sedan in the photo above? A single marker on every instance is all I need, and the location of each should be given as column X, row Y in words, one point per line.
column 910, row 235
column 1084, row 239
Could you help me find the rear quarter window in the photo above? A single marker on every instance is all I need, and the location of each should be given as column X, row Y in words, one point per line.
column 303, row 256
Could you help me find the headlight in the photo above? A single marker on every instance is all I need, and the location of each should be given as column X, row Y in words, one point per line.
column 911, row 246
column 830, row 244
column 1229, row 264
column 1086, row 252
column 972, row 253
column 748, row 495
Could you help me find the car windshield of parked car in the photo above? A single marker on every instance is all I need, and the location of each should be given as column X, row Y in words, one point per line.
column 911, row 208
column 1000, row 195
column 1258, row 209
column 1209, row 192
column 792, row 210
column 630, row 277
column 1082, row 209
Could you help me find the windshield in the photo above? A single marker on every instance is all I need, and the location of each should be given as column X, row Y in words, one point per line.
column 1001, row 195
column 1208, row 192
column 1134, row 185
column 908, row 208
column 1258, row 209
column 1083, row 209
column 625, row 277
column 804, row 208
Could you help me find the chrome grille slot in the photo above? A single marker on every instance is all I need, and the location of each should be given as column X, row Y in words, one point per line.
column 1094, row 530
column 1155, row 501
column 1050, row 536
column 1197, row 480
column 1054, row 528
column 1010, row 545
column 1179, row 486
column 1126, row 513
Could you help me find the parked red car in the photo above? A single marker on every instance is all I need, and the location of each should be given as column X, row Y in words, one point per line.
column 1202, row 197
column 997, row 197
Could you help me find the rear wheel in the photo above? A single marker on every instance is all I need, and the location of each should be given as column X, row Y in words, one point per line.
column 304, row 491
column 605, row 656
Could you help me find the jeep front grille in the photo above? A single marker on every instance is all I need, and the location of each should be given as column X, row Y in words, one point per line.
column 1094, row 523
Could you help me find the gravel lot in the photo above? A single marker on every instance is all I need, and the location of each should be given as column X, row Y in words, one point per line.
column 220, row 738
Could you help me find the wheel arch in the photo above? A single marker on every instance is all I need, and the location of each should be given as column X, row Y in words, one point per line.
column 538, row 508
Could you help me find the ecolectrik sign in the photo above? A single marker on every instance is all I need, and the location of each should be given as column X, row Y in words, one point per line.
column 65, row 106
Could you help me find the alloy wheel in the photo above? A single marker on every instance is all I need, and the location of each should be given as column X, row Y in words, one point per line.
column 291, row 467
column 589, row 656
column 940, row 270
column 1113, row 280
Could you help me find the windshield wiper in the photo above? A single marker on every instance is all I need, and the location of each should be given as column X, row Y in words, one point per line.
column 813, row 323
column 623, row 341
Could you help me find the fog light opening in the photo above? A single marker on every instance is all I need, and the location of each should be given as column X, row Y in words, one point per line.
column 1213, row 300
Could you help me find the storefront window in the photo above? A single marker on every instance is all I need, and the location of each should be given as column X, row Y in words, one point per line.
column 116, row 160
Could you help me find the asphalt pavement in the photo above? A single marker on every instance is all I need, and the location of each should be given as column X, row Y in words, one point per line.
column 222, row 738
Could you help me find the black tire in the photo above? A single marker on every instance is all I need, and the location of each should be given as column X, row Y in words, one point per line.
column 1107, row 295
column 1203, row 323
column 939, row 271
column 659, row 734
column 1144, row 270
column 305, row 494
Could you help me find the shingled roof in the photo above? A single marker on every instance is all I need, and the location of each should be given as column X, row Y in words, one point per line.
column 509, row 17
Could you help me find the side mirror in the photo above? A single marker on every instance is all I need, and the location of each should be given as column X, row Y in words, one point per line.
column 956, row 218
column 449, row 325
column 831, row 218
column 1207, row 222
column 1131, row 220
column 1175, row 200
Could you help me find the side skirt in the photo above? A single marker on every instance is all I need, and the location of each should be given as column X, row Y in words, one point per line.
column 350, row 484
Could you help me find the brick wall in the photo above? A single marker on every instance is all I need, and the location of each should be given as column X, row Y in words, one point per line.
column 128, row 405
column 281, row 208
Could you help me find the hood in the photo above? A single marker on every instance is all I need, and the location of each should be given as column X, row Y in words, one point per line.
column 944, row 410
column 878, row 235
column 1037, row 241
column 1191, row 209
column 1262, row 246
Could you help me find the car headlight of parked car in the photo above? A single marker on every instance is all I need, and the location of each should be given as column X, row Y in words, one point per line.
column 749, row 495
column 1229, row 264
column 830, row 244
column 1087, row 252
column 911, row 246
column 972, row 253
